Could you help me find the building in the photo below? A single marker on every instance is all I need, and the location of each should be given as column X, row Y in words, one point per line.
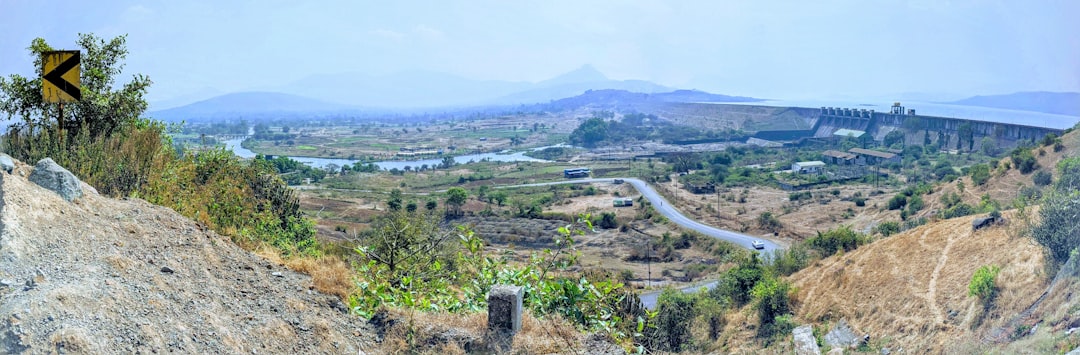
column 808, row 167
column 844, row 132
column 837, row 157
column 873, row 157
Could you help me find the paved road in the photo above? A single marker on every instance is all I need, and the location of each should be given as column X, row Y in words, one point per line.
column 668, row 210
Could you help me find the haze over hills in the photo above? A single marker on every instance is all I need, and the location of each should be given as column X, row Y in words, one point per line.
column 254, row 103
column 1061, row 103
column 427, row 89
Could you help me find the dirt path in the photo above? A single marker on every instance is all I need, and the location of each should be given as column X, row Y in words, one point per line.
column 931, row 292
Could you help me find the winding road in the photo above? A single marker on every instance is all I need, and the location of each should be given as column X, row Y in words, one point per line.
column 668, row 210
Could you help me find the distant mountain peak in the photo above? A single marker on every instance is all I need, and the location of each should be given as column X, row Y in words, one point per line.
column 585, row 74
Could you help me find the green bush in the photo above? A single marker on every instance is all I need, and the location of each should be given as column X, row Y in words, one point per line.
column 1024, row 160
column 983, row 284
column 841, row 238
column 1042, row 178
column 772, row 301
column 887, row 229
column 675, row 313
column 897, row 202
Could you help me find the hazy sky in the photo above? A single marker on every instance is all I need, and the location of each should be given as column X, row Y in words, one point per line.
column 778, row 49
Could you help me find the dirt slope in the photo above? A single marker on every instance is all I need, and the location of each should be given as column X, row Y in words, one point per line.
column 102, row 275
column 911, row 289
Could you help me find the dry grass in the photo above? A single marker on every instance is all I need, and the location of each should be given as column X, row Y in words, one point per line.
column 329, row 274
column 445, row 333
column 912, row 288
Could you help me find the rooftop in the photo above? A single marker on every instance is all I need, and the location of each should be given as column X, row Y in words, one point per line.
column 873, row 153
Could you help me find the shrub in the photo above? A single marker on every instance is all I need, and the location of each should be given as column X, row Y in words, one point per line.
column 897, row 202
column 769, row 222
column 1057, row 229
column 983, row 284
column 859, row 201
column 675, row 313
column 1042, row 178
column 980, row 174
column 887, row 229
column 841, row 238
column 1024, row 160
column 607, row 221
column 772, row 301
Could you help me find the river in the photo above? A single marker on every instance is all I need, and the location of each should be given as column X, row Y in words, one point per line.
column 240, row 151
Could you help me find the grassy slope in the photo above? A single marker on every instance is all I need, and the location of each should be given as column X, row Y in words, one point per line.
column 910, row 290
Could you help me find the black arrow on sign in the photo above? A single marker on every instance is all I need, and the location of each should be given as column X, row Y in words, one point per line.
column 56, row 77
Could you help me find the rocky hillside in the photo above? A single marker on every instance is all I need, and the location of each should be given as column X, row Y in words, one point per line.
column 106, row 275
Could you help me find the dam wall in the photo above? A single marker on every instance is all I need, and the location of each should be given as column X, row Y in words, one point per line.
column 879, row 124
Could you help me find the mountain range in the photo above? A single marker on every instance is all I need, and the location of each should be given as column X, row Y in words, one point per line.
column 1060, row 103
column 353, row 92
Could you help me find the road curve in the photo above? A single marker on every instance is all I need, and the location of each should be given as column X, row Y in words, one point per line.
column 660, row 204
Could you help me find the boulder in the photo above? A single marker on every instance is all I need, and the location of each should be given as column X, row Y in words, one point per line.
column 841, row 336
column 805, row 344
column 980, row 223
column 7, row 163
column 54, row 177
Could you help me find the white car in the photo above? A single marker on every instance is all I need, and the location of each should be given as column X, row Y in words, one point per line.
column 758, row 244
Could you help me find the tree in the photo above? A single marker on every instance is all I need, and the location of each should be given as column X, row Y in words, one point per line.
column 772, row 300
column 893, row 138
column 430, row 205
column 447, row 162
column 481, row 192
column 965, row 133
column 590, row 133
column 675, row 313
column 393, row 203
column 499, row 197
column 989, row 146
column 980, row 174
column 404, row 241
column 456, row 197
column 107, row 115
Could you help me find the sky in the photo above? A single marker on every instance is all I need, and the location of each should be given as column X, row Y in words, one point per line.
column 763, row 48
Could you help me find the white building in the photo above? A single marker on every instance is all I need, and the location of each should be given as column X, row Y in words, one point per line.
column 808, row 167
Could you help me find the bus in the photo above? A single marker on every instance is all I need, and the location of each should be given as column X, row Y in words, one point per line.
column 575, row 173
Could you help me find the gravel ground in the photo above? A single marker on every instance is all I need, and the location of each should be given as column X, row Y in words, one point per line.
column 101, row 275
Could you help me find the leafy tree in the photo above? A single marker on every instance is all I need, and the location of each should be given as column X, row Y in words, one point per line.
column 980, row 174
column 1057, row 229
column 499, row 197
column 456, row 197
column 1024, row 160
column 393, row 203
column 893, row 138
column 430, row 205
column 404, row 242
column 772, row 300
column 965, row 134
column 447, row 162
column 989, row 146
column 1069, row 174
column 590, row 133
column 675, row 314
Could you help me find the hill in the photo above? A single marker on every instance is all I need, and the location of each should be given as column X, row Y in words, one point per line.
column 1061, row 103
column 105, row 275
column 249, row 104
column 910, row 290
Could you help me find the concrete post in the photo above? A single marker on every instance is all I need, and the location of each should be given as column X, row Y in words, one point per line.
column 504, row 308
